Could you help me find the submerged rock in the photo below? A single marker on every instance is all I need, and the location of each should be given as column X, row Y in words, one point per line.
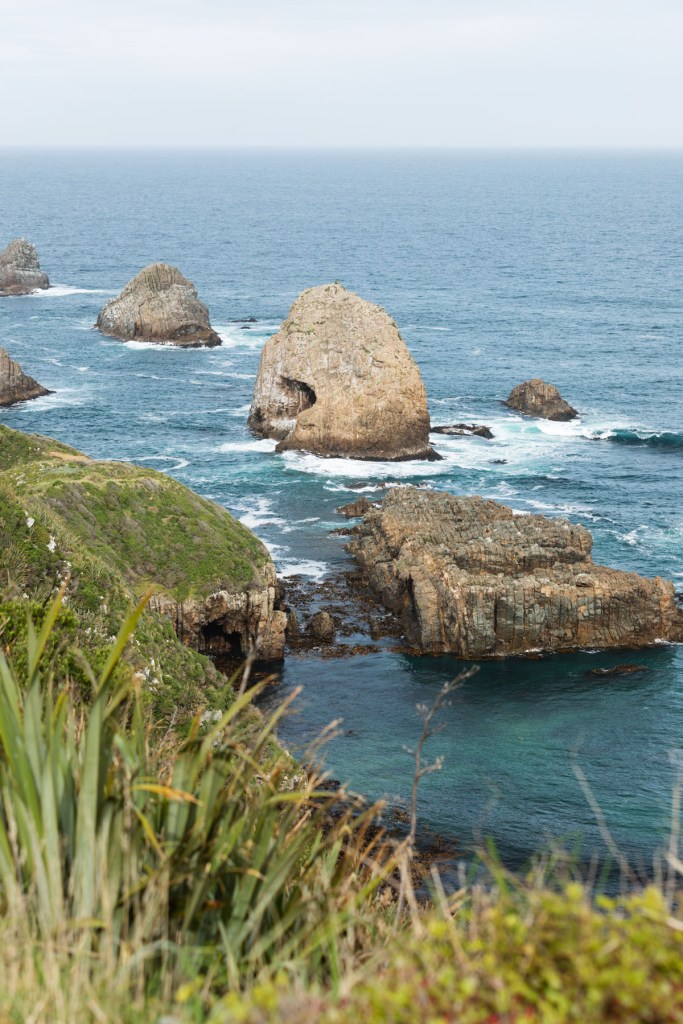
column 15, row 385
column 338, row 380
column 617, row 670
column 20, row 272
column 475, row 429
column 536, row 398
column 467, row 576
column 159, row 305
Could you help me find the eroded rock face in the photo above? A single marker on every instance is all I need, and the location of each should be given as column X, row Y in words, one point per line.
column 536, row 398
column 467, row 576
column 159, row 305
column 338, row 380
column 20, row 272
column 15, row 385
column 240, row 622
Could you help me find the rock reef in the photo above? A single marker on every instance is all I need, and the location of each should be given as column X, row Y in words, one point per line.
column 159, row 305
column 20, row 272
column 536, row 398
column 338, row 380
column 464, row 430
column 467, row 576
column 15, row 385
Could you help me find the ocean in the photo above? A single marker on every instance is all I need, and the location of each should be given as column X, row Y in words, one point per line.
column 496, row 267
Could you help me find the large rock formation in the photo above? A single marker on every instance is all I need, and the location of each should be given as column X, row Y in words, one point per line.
column 467, row 576
column 15, row 385
column 536, row 398
column 20, row 272
column 338, row 380
column 159, row 305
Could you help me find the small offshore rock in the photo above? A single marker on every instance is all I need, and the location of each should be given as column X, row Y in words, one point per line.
column 320, row 627
column 15, row 385
column 20, row 272
column 617, row 670
column 292, row 628
column 536, row 398
column 469, row 577
column 159, row 305
column 473, row 429
column 357, row 508
column 338, row 380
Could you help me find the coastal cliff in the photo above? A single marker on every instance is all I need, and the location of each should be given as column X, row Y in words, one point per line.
column 162, row 306
column 338, row 380
column 118, row 530
column 20, row 272
column 467, row 576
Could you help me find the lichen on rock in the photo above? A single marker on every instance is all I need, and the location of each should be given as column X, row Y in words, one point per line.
column 15, row 385
column 162, row 306
column 338, row 380
column 20, row 272
column 467, row 576
column 537, row 398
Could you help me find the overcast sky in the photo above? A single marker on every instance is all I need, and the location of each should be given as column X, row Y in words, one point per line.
column 331, row 73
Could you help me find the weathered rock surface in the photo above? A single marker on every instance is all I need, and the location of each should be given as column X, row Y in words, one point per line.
column 536, row 398
column 20, row 272
column 476, row 429
column 15, row 385
column 320, row 627
column 356, row 508
column 338, row 380
column 159, row 305
column 467, row 576
column 229, row 621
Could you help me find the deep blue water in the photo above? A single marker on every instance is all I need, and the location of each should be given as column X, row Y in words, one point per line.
column 496, row 268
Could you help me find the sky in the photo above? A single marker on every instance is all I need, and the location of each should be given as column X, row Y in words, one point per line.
column 382, row 73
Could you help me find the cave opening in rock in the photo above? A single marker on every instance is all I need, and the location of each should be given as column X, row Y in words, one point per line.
column 216, row 641
column 298, row 395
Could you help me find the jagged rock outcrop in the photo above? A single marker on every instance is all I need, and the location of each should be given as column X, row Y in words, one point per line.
column 20, row 272
column 320, row 627
column 159, row 305
column 467, row 576
column 338, row 380
column 464, row 429
column 356, row 508
column 15, row 385
column 536, row 398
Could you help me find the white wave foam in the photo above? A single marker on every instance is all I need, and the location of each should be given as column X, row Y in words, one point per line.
column 257, row 511
column 180, row 463
column 356, row 469
column 241, row 410
column 155, row 346
column 241, row 376
column 304, row 567
column 58, row 291
column 265, row 444
column 232, row 336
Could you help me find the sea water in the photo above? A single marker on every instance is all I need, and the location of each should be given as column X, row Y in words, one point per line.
column 496, row 267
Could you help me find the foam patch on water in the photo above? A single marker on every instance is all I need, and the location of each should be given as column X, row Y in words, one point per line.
column 264, row 445
column 58, row 291
column 258, row 511
column 232, row 336
column 304, row 567
column 179, row 463
column 242, row 410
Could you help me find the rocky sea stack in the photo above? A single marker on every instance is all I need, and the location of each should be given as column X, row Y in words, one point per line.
column 536, row 398
column 159, row 305
column 467, row 576
column 20, row 272
column 338, row 380
column 15, row 385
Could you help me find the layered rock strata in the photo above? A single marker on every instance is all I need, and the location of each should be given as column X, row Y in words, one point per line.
column 15, row 385
column 536, row 398
column 20, row 272
column 338, row 380
column 467, row 576
column 159, row 305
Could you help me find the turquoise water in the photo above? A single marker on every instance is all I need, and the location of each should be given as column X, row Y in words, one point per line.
column 496, row 268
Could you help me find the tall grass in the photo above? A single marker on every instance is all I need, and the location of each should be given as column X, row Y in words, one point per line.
column 138, row 861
